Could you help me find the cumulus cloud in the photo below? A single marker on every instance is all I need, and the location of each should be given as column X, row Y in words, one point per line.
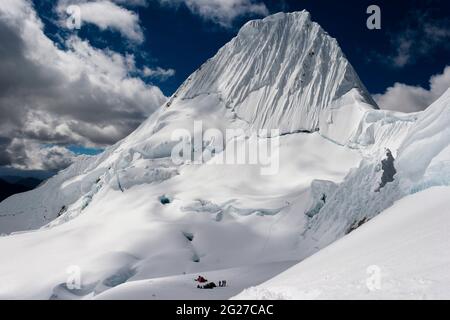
column 222, row 12
column 406, row 98
column 51, row 96
column 106, row 15
column 4, row 157
column 33, row 156
column 420, row 37
column 158, row 73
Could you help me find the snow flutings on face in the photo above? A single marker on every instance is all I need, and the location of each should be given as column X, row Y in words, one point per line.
column 60, row 94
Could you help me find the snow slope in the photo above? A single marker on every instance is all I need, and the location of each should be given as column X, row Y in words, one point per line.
column 235, row 217
column 405, row 246
column 132, row 222
column 183, row 287
column 31, row 210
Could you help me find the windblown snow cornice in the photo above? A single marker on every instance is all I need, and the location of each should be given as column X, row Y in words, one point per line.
column 278, row 72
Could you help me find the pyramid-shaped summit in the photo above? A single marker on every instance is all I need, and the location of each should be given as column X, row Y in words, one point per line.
column 278, row 72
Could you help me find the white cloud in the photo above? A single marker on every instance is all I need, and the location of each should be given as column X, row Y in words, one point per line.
column 406, row 98
column 49, row 96
column 158, row 73
column 222, row 12
column 107, row 15
column 33, row 156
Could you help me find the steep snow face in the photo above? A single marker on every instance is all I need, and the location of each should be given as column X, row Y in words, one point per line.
column 424, row 156
column 350, row 121
column 278, row 72
column 418, row 157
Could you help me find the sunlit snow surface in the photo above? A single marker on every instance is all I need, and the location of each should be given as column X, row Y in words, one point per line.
column 135, row 225
column 406, row 247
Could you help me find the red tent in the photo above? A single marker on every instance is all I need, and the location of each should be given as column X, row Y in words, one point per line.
column 201, row 279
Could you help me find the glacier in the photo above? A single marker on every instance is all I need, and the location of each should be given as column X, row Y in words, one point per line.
column 134, row 223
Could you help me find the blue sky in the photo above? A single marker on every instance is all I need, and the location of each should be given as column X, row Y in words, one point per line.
column 84, row 150
column 93, row 86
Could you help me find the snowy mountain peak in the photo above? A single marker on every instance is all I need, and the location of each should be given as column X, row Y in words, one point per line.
column 278, row 72
column 136, row 224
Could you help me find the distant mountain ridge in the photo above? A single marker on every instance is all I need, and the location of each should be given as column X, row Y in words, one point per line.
column 10, row 185
column 30, row 182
